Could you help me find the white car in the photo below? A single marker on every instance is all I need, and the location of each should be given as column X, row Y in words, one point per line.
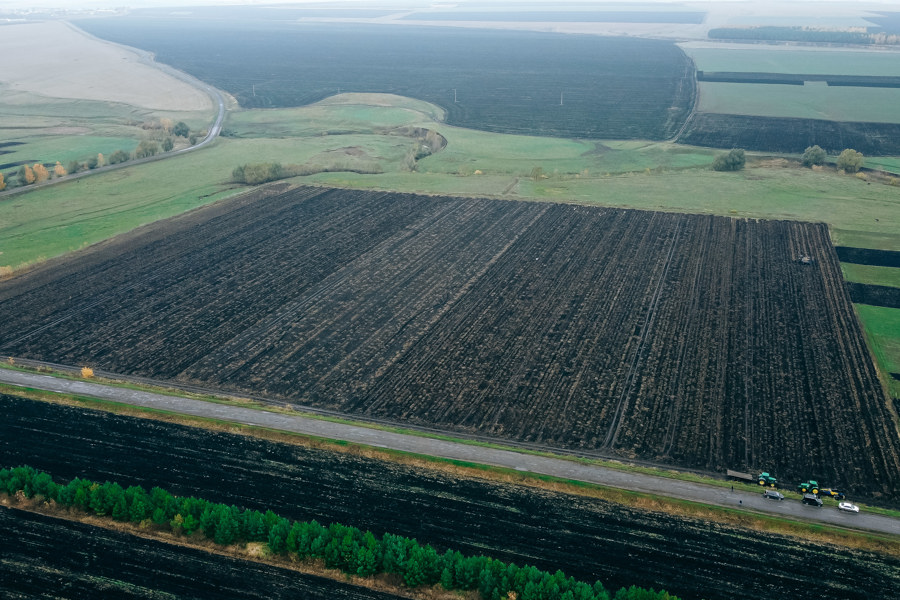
column 849, row 507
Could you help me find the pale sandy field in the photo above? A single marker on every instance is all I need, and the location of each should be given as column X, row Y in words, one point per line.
column 57, row 60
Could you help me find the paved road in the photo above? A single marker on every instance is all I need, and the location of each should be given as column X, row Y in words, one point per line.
column 558, row 467
column 211, row 134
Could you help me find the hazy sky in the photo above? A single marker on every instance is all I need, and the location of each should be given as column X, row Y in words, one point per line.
column 377, row 3
column 734, row 6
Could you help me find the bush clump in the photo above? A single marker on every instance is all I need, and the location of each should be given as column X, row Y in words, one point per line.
column 253, row 174
column 733, row 161
column 813, row 155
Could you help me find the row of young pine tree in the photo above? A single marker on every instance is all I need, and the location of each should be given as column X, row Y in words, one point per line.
column 340, row 547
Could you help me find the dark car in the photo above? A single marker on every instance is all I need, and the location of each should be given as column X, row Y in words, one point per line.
column 772, row 495
column 812, row 500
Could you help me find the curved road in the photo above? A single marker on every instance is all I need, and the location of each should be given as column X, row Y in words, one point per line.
column 557, row 467
column 212, row 134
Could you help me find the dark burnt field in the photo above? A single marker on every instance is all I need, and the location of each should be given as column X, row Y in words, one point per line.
column 691, row 340
column 44, row 557
column 589, row 539
column 525, row 82
column 782, row 134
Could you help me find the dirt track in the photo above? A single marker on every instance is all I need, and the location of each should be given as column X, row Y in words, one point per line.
column 557, row 467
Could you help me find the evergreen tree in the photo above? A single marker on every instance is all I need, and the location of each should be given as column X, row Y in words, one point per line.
column 226, row 526
column 366, row 562
column 278, row 536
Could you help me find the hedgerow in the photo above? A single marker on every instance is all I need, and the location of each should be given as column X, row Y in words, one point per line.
column 342, row 547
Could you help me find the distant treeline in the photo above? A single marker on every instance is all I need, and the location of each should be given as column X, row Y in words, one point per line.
column 565, row 16
column 798, row 79
column 349, row 549
column 801, row 34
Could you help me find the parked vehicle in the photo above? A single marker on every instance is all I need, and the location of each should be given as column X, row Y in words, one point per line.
column 812, row 500
column 772, row 495
column 848, row 507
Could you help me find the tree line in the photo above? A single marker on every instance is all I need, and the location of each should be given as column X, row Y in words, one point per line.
column 342, row 547
column 39, row 172
column 849, row 161
column 802, row 34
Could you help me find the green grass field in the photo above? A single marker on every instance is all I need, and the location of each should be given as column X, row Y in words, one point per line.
column 48, row 130
column 885, row 276
column 882, row 327
column 815, row 100
column 814, row 61
column 887, row 163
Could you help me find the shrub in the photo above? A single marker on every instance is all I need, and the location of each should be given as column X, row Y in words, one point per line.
column 254, row 174
column 733, row 161
column 850, row 161
column 814, row 155
column 119, row 156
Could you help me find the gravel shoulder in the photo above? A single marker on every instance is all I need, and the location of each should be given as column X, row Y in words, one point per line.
column 556, row 467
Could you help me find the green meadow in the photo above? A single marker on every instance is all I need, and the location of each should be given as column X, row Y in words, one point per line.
column 813, row 61
column 815, row 100
column 882, row 327
column 46, row 130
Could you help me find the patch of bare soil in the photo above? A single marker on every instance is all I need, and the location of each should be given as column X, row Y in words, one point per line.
column 63, row 62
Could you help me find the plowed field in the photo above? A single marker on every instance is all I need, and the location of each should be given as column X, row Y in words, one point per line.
column 587, row 538
column 44, row 557
column 695, row 340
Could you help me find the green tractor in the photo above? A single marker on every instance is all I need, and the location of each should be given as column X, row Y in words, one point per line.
column 809, row 487
column 765, row 479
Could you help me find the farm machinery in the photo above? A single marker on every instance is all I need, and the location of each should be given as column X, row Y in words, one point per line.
column 830, row 493
column 765, row 479
column 812, row 487
column 808, row 487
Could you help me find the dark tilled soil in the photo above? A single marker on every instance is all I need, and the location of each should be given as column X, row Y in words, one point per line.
column 589, row 539
column 776, row 134
column 691, row 340
column 45, row 557
column 867, row 256
column 874, row 295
